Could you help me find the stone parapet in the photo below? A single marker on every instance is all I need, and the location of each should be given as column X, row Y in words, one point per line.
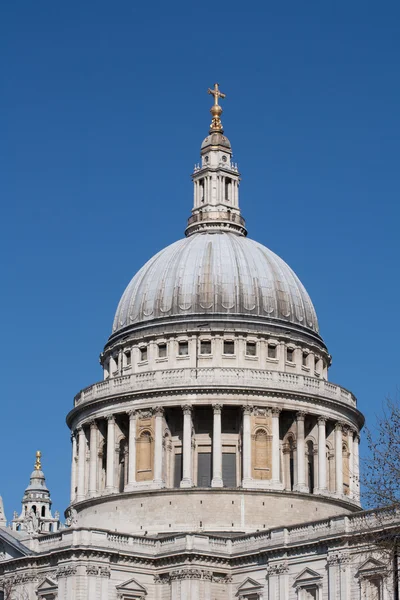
column 190, row 378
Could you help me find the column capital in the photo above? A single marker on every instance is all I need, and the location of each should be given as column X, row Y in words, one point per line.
column 93, row 424
column 275, row 411
column 301, row 415
column 74, row 435
column 217, row 408
column 357, row 437
column 110, row 418
column 159, row 411
column 322, row 420
column 187, row 409
column 79, row 430
column 339, row 426
column 132, row 414
column 247, row 409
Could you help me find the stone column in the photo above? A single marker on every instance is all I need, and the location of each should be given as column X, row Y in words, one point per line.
column 93, row 459
column 73, row 467
column 321, row 455
column 275, row 445
column 351, row 462
column 217, row 448
column 339, row 458
column 132, row 450
column 301, row 455
column 187, row 477
column 110, row 468
column 246, row 447
column 158, row 447
column 81, row 463
column 356, row 467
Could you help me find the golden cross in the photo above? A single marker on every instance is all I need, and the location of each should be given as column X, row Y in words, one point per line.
column 38, row 464
column 216, row 93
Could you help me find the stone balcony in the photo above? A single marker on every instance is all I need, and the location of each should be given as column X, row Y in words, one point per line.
column 219, row 377
column 340, row 526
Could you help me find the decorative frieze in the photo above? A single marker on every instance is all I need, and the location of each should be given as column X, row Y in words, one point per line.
column 66, row 571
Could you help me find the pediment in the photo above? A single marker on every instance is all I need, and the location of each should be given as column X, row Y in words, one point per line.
column 249, row 585
column 131, row 589
column 371, row 565
column 47, row 585
column 307, row 575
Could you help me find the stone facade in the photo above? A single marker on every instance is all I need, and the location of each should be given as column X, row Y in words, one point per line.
column 214, row 460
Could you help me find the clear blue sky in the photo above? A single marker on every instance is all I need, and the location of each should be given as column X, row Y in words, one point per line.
column 103, row 107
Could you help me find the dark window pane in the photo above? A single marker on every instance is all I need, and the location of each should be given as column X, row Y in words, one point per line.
column 162, row 350
column 251, row 349
column 205, row 347
column 229, row 347
column 271, row 351
column 183, row 348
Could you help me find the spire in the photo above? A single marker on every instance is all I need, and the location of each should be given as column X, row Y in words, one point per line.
column 3, row 520
column 216, row 181
column 36, row 514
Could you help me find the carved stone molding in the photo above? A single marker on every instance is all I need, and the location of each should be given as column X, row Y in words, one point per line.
column 301, row 415
column 159, row 411
column 259, row 411
column 321, row 420
column 66, row 571
column 105, row 572
column 145, row 413
column 217, row 408
column 247, row 410
column 278, row 569
column 187, row 409
column 92, row 570
column 337, row 558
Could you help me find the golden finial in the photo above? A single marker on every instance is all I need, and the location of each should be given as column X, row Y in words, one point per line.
column 38, row 464
column 216, row 109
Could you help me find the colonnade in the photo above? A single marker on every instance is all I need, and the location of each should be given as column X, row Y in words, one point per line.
column 85, row 453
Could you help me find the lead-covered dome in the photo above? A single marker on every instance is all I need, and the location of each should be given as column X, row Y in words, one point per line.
column 221, row 274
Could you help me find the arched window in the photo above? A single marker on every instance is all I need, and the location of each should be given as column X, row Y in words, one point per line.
column 43, row 511
column 310, row 467
column 346, row 470
column 262, row 455
column 145, row 456
column 34, row 509
column 122, row 466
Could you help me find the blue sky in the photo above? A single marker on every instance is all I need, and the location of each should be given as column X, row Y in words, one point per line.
column 103, row 107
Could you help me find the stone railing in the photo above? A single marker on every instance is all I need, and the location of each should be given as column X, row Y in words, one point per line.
column 197, row 542
column 247, row 379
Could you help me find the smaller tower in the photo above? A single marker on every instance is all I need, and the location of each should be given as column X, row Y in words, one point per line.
column 216, row 181
column 36, row 514
column 3, row 520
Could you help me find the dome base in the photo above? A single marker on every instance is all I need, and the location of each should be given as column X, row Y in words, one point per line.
column 200, row 509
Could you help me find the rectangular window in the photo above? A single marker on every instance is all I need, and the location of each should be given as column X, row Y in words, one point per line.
column 271, row 351
column 128, row 358
column 143, row 353
column 229, row 347
column 289, row 354
column 305, row 356
column 183, row 348
column 228, row 184
column 162, row 350
column 251, row 349
column 205, row 347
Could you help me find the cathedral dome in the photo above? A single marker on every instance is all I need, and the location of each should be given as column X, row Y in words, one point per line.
column 222, row 274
